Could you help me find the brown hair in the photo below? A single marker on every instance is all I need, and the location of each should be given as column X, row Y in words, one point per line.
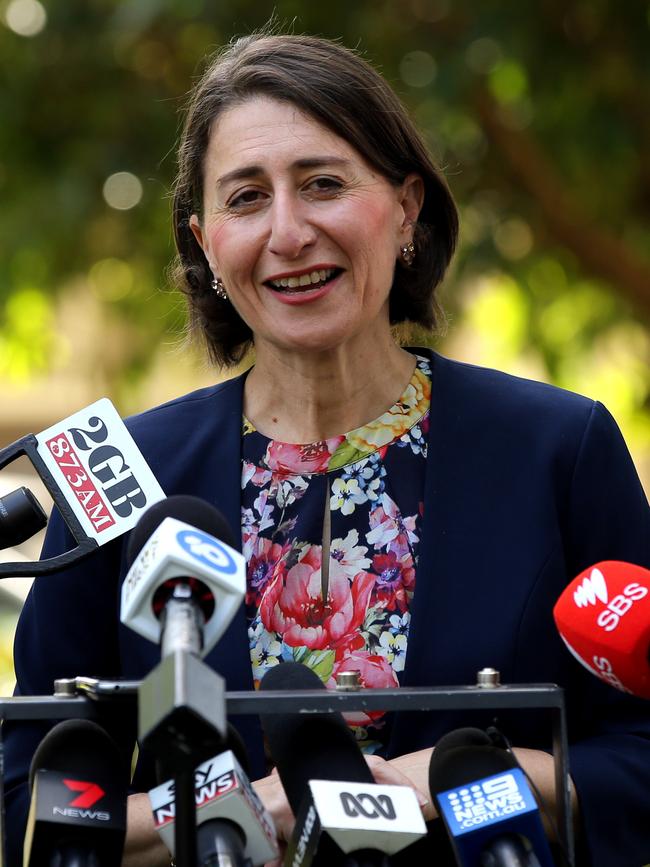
column 343, row 92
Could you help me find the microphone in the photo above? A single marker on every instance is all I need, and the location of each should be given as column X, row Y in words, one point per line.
column 486, row 804
column 21, row 517
column 603, row 617
column 233, row 828
column 97, row 477
column 329, row 785
column 186, row 580
column 79, row 785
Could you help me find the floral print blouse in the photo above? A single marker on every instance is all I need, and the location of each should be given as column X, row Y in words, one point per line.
column 330, row 535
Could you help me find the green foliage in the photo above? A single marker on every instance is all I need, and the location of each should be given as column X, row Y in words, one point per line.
column 537, row 112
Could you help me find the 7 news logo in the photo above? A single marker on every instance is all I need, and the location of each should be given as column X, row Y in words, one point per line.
column 593, row 589
column 80, row 807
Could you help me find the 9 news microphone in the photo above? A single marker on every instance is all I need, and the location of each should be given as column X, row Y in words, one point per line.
column 233, row 828
column 485, row 802
column 79, row 785
column 186, row 580
column 603, row 617
column 329, row 786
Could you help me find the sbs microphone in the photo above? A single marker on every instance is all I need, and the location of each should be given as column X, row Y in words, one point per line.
column 185, row 580
column 603, row 617
column 485, row 803
column 329, row 785
column 79, row 785
column 233, row 828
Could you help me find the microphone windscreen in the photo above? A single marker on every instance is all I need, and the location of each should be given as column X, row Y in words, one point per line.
column 71, row 745
column 464, row 756
column 191, row 510
column 309, row 746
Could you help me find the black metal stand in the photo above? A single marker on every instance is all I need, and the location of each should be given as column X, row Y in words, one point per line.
column 529, row 697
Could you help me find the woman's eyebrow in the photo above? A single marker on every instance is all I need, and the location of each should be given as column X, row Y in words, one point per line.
column 255, row 171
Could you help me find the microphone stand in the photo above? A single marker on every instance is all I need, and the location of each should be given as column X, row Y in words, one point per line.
column 182, row 712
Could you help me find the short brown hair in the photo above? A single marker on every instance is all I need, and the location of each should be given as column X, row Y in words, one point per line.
column 342, row 91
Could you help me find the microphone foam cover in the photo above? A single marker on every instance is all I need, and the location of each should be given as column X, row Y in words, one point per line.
column 78, row 747
column 464, row 756
column 309, row 746
column 192, row 510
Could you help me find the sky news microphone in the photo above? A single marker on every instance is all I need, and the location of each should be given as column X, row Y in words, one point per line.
column 185, row 580
column 97, row 477
column 603, row 617
column 233, row 828
column 79, row 784
column 486, row 804
column 343, row 816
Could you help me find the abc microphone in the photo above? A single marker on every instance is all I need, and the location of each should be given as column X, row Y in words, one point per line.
column 233, row 828
column 330, row 788
column 485, row 803
column 186, row 580
column 79, row 785
column 603, row 617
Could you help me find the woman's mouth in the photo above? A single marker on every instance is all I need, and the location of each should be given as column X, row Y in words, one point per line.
column 304, row 282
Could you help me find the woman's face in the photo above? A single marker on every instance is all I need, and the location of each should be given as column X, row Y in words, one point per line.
column 301, row 230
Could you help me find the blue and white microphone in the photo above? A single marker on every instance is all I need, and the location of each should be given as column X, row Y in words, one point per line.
column 186, row 580
column 486, row 804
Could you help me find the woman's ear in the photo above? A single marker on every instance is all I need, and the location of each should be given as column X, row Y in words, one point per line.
column 197, row 231
column 411, row 199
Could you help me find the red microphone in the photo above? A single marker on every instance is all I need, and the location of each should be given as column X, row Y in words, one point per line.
column 603, row 617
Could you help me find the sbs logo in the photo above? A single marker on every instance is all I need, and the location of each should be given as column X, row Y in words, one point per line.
column 379, row 807
column 207, row 550
column 592, row 588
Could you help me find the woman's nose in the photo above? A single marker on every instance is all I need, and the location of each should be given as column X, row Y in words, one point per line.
column 291, row 230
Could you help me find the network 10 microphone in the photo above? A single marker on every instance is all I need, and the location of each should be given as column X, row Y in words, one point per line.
column 329, row 786
column 79, row 785
column 233, row 828
column 603, row 617
column 186, row 580
column 97, row 477
column 486, row 804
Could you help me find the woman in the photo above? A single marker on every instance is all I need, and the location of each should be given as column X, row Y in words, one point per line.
column 402, row 515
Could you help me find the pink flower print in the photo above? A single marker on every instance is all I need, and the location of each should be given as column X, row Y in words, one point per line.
column 295, row 607
column 257, row 475
column 395, row 580
column 268, row 560
column 290, row 459
column 375, row 672
column 388, row 524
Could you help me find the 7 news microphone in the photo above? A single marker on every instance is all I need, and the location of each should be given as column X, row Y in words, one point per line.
column 79, row 787
column 485, row 803
column 603, row 617
column 233, row 828
column 343, row 816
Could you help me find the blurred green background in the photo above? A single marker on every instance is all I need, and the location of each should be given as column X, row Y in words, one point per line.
column 537, row 112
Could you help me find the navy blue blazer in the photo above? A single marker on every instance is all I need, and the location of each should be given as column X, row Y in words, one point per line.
column 526, row 485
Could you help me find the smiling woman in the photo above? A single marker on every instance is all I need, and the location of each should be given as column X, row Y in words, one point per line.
column 402, row 516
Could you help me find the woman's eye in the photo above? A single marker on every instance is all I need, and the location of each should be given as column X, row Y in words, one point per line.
column 325, row 185
column 245, row 198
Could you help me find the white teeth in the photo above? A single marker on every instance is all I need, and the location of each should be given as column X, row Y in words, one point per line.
column 303, row 280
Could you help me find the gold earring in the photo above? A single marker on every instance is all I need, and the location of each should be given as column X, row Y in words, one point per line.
column 408, row 253
column 219, row 288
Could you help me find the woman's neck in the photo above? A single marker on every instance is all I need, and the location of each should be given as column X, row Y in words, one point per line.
column 306, row 397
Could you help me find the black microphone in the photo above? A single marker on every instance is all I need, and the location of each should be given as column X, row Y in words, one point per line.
column 329, row 786
column 21, row 517
column 486, row 805
column 233, row 828
column 79, row 784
